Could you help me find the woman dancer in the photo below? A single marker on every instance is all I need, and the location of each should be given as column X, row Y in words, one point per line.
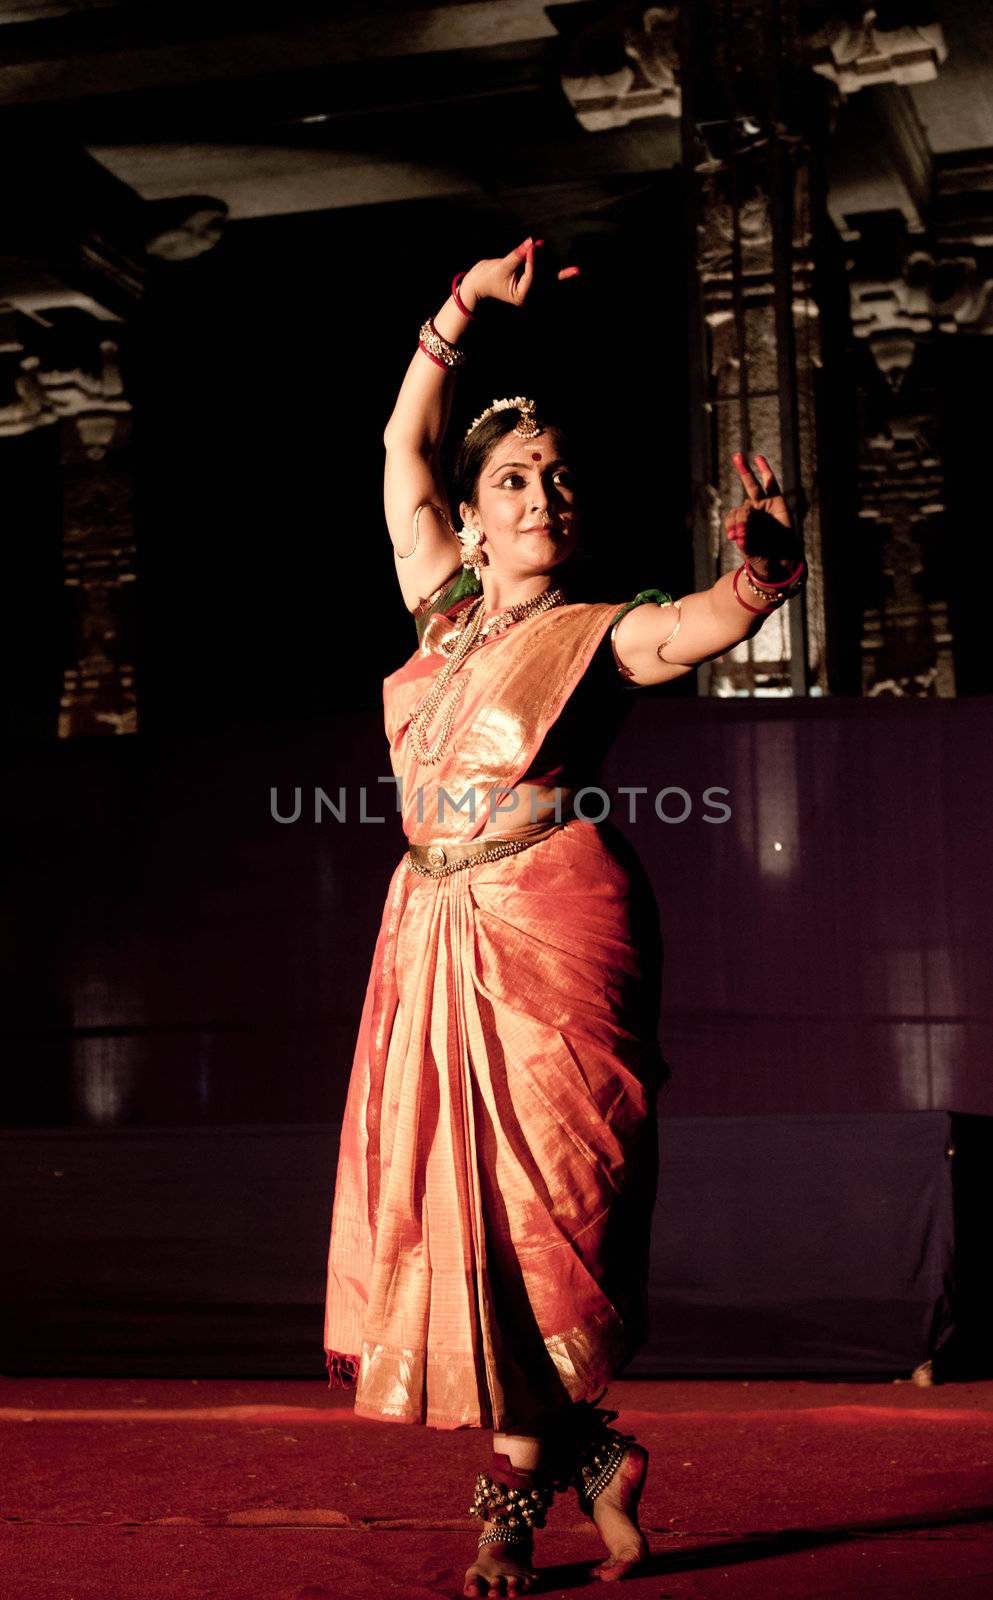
column 497, row 1169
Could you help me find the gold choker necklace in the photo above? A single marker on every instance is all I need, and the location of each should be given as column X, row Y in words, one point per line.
column 501, row 620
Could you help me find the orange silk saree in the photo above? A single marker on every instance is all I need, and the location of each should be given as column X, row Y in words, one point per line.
column 497, row 1164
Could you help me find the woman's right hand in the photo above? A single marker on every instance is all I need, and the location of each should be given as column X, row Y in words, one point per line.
column 508, row 278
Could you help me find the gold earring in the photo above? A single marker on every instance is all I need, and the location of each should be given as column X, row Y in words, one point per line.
column 471, row 540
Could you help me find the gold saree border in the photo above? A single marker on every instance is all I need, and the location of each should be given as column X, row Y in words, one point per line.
column 392, row 1381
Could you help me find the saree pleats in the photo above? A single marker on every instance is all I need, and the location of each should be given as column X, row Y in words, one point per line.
column 497, row 1167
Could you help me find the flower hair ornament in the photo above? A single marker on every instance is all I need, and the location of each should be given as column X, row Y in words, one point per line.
column 527, row 428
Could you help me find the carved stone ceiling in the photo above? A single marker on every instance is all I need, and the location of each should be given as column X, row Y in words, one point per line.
column 302, row 107
column 277, row 110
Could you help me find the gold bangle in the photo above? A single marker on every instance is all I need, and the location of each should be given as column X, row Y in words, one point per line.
column 775, row 592
column 439, row 349
column 769, row 596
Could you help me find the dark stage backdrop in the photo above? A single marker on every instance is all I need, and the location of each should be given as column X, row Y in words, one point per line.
column 184, row 976
column 176, row 956
column 263, row 378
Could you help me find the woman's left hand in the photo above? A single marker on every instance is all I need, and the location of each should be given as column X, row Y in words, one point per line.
column 761, row 526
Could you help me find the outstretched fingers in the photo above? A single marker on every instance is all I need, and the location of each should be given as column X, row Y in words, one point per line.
column 770, row 482
column 747, row 476
column 754, row 491
column 523, row 259
column 525, row 253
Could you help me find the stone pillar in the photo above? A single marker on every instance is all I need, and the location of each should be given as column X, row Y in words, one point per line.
column 907, row 287
column 757, row 85
column 754, row 193
column 912, row 284
column 68, row 378
column 906, row 641
column 761, row 361
column 73, row 292
column 98, row 694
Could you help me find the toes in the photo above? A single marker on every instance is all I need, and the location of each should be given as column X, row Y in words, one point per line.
column 511, row 1585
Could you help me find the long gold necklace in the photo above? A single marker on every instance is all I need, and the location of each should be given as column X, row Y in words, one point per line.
column 472, row 633
column 425, row 713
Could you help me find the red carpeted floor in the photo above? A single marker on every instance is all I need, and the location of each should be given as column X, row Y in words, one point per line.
column 177, row 1490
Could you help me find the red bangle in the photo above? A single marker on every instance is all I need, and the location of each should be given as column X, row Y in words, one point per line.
column 781, row 583
column 437, row 362
column 757, row 611
column 457, row 297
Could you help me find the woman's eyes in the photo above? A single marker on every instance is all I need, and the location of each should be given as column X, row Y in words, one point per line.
column 514, row 480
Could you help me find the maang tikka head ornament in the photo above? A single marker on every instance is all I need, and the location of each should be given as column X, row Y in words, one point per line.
column 527, row 427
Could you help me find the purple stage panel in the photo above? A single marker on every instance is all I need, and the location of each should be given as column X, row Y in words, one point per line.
column 817, row 1244
column 830, row 946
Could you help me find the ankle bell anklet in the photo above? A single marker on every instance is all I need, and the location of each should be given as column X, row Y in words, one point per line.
column 515, row 1504
column 511, row 1508
column 588, row 1452
column 522, row 1536
column 595, row 1474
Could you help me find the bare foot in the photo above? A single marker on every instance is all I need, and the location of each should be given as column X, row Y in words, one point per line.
column 500, row 1569
column 615, row 1512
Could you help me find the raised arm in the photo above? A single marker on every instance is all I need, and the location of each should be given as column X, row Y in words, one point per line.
column 653, row 644
column 426, row 551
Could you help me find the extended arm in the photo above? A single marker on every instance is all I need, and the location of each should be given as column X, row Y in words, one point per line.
column 648, row 645
column 426, row 555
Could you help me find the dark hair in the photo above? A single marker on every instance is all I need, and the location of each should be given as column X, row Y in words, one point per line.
column 474, row 451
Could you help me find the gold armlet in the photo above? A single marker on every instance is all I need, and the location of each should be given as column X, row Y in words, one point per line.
column 417, row 532
column 624, row 671
column 677, row 606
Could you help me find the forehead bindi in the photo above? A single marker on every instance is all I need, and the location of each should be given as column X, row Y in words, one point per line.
column 518, row 461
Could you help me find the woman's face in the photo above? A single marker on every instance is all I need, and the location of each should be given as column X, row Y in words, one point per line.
column 525, row 505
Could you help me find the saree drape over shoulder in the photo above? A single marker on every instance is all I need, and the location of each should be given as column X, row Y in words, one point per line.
column 497, row 1166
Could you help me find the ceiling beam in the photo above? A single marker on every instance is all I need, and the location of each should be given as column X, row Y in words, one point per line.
column 272, row 179
column 47, row 69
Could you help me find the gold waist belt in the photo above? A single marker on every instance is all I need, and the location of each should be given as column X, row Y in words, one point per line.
column 438, row 860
